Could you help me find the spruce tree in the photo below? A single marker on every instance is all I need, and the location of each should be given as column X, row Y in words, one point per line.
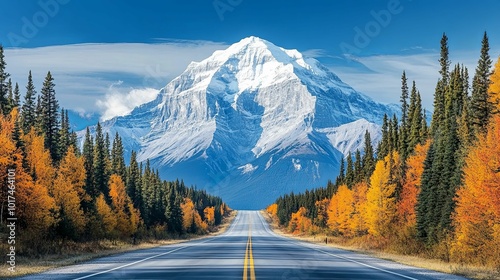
column 50, row 117
column 117, row 160
column 368, row 158
column 101, row 153
column 480, row 106
column 88, row 155
column 28, row 113
column 173, row 211
column 444, row 60
column 10, row 97
column 404, row 131
column 64, row 133
column 134, row 181
column 349, row 176
column 3, row 84
column 358, row 168
column 416, row 133
column 341, row 177
column 16, row 101
column 384, row 144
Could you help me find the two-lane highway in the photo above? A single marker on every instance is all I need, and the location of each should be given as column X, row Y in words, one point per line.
column 248, row 250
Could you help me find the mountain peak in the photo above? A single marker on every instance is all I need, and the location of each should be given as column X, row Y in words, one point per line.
column 252, row 121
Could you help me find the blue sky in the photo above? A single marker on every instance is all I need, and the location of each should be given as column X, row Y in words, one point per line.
column 132, row 48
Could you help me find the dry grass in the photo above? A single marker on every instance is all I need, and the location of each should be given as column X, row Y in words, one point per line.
column 468, row 271
column 82, row 252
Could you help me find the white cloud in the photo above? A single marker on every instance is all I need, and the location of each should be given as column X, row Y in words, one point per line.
column 83, row 73
column 383, row 82
column 119, row 101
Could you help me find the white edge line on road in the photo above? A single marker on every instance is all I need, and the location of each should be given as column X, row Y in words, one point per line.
column 333, row 255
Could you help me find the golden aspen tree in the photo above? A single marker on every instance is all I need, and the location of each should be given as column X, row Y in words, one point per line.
column 322, row 210
column 340, row 211
column 34, row 206
column 188, row 210
column 272, row 209
column 209, row 213
column 358, row 219
column 477, row 212
column 299, row 222
column 39, row 160
column 122, row 207
column 381, row 200
column 406, row 211
column 107, row 216
column 68, row 193
column 494, row 90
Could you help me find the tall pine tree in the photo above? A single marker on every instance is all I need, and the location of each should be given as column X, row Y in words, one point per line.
column 4, row 91
column 28, row 113
column 480, row 107
column 50, row 117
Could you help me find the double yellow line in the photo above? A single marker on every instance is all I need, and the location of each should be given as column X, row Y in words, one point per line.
column 248, row 266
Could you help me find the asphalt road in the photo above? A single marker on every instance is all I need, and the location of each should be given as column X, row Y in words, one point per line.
column 248, row 250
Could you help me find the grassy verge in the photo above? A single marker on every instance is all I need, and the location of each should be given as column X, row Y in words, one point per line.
column 81, row 252
column 468, row 271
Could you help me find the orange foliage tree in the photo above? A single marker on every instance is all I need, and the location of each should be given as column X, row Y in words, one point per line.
column 300, row 223
column 68, row 192
column 191, row 219
column 209, row 213
column 406, row 212
column 322, row 210
column 381, row 200
column 358, row 219
column 272, row 209
column 494, row 90
column 477, row 212
column 340, row 211
column 106, row 216
column 127, row 216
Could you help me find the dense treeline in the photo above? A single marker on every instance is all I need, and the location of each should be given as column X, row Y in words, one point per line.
column 62, row 193
column 429, row 190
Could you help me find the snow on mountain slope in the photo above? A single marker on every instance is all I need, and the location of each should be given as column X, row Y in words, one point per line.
column 250, row 123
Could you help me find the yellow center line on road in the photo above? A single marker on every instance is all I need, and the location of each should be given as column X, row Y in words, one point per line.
column 248, row 264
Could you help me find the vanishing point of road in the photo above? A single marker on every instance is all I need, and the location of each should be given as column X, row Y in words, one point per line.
column 247, row 250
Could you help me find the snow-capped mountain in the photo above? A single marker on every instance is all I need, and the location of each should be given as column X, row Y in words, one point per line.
column 250, row 123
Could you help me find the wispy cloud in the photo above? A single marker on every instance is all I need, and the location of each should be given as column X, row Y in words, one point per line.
column 120, row 101
column 383, row 81
column 84, row 73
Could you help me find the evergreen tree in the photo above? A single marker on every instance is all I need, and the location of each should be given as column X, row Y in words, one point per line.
column 394, row 134
column 10, row 97
column 134, row 181
column 358, row 168
column 404, row 131
column 349, row 175
column 480, row 107
column 444, row 61
column 173, row 211
column 117, row 160
column 64, row 133
column 16, row 101
column 416, row 135
column 28, row 113
column 384, row 144
column 88, row 155
column 50, row 117
column 368, row 157
column 3, row 84
column 100, row 166
column 341, row 177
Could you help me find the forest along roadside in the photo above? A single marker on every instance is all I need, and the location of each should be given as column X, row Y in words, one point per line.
column 468, row 271
column 76, row 253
